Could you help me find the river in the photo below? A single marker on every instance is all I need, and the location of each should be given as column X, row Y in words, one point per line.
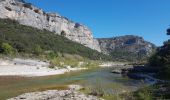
column 92, row 78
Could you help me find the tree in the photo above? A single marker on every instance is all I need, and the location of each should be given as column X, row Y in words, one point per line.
column 168, row 31
column 38, row 50
column 161, row 59
column 7, row 48
column 63, row 33
column 19, row 46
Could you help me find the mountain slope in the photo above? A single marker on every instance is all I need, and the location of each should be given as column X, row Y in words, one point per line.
column 25, row 39
column 127, row 47
column 30, row 15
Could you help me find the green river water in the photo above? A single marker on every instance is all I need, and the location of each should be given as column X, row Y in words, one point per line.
column 92, row 78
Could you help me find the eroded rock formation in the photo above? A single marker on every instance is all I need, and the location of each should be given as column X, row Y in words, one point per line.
column 27, row 14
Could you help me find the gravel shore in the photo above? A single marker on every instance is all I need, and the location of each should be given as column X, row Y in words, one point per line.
column 30, row 68
column 55, row 95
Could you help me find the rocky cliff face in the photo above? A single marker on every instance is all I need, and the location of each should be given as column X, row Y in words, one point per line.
column 27, row 14
column 126, row 45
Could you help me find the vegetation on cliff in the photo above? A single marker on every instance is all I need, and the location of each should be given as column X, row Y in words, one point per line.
column 127, row 48
column 19, row 39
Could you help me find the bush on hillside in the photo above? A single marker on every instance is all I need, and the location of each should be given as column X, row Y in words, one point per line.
column 29, row 40
column 38, row 50
column 7, row 49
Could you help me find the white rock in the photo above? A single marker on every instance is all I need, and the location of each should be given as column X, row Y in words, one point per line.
column 55, row 95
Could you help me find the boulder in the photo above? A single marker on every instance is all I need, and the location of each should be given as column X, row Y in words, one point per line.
column 116, row 71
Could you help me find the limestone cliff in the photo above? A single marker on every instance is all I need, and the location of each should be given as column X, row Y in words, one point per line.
column 124, row 47
column 27, row 14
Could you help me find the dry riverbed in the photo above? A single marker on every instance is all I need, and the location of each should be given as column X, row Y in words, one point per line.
column 30, row 68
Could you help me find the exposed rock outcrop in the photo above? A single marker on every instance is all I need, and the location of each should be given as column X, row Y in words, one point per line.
column 55, row 95
column 126, row 45
column 27, row 14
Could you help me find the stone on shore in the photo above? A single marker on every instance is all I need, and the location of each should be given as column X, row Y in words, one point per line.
column 116, row 71
column 55, row 95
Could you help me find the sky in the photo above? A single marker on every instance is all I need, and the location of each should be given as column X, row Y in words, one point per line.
column 110, row 18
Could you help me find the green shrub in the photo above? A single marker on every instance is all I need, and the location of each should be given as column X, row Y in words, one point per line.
column 7, row 48
column 38, row 50
column 161, row 59
column 51, row 55
column 67, row 60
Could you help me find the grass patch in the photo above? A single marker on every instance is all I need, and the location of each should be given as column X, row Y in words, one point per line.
column 104, row 90
column 64, row 60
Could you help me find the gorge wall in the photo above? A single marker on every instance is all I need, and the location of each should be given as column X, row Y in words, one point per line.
column 27, row 14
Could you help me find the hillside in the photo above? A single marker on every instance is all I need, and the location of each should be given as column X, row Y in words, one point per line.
column 24, row 39
column 30, row 15
column 127, row 47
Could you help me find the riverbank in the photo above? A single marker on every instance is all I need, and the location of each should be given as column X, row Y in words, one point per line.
column 34, row 67
column 70, row 94
column 55, row 95
column 31, row 68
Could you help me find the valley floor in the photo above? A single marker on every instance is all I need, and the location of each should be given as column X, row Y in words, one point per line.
column 32, row 68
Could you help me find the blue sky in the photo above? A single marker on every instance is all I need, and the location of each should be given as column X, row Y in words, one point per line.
column 109, row 18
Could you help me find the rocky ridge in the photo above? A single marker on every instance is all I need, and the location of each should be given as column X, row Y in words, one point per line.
column 30, row 15
column 130, row 44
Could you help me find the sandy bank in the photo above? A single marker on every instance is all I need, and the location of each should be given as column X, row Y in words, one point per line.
column 30, row 68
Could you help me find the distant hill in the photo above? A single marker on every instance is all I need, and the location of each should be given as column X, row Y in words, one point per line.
column 129, row 47
column 28, row 40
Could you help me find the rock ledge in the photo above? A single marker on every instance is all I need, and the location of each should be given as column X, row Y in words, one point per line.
column 55, row 95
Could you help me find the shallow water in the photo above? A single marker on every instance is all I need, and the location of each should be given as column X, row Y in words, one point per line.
column 93, row 78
